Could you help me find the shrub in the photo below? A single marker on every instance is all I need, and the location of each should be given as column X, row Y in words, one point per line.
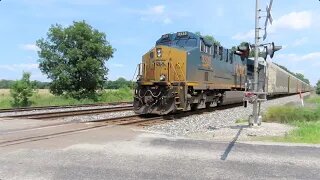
column 22, row 90
column 291, row 114
column 122, row 94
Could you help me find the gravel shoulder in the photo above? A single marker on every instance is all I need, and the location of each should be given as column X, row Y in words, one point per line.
column 221, row 124
column 241, row 132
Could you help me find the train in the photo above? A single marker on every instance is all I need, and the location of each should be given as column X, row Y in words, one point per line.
column 184, row 72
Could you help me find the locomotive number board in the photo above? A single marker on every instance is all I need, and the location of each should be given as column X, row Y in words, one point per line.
column 181, row 34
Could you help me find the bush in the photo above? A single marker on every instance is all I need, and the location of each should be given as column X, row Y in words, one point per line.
column 318, row 87
column 122, row 94
column 22, row 90
column 314, row 100
column 291, row 114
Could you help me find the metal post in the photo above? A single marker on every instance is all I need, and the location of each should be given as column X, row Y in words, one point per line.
column 255, row 115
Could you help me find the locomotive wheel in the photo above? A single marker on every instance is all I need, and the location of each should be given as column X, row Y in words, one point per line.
column 194, row 107
column 220, row 101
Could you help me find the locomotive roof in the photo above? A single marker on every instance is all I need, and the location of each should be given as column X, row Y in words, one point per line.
column 183, row 34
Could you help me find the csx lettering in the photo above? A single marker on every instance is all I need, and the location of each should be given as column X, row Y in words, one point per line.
column 206, row 61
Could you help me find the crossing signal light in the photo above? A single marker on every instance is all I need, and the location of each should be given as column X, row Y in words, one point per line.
column 269, row 50
column 243, row 51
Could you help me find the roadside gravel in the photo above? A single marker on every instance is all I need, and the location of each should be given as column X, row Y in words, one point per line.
column 203, row 123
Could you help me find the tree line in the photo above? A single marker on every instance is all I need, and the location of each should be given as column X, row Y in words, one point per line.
column 7, row 84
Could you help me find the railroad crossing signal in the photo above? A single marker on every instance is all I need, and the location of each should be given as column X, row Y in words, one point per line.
column 268, row 18
column 269, row 49
column 255, row 118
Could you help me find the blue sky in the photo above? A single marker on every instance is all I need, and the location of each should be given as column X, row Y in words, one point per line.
column 132, row 27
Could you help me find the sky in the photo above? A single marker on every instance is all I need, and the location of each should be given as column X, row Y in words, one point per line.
column 132, row 27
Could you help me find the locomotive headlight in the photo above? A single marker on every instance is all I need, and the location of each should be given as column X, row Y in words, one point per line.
column 162, row 77
column 159, row 52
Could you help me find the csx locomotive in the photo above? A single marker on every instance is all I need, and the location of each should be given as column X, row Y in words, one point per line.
column 184, row 71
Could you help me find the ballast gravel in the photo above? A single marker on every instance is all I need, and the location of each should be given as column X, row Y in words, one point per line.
column 97, row 117
column 219, row 119
column 61, row 110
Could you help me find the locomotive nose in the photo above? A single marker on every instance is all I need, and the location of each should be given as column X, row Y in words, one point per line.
column 164, row 65
column 157, row 64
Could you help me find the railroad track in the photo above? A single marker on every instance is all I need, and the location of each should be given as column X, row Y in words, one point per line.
column 62, row 129
column 71, row 128
column 59, row 107
column 58, row 114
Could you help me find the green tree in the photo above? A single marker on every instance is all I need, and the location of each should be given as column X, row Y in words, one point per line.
column 74, row 59
column 318, row 87
column 209, row 38
column 22, row 90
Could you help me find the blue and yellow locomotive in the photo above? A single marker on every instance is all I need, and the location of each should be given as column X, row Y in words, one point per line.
column 184, row 71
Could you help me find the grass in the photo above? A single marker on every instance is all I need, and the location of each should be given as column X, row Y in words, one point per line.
column 44, row 98
column 306, row 119
column 307, row 132
column 314, row 99
column 292, row 114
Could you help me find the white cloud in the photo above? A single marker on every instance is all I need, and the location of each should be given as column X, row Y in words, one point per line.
column 155, row 14
column 159, row 9
column 293, row 21
column 248, row 36
column 30, row 47
column 19, row 67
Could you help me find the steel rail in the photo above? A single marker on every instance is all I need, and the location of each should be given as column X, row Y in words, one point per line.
column 6, row 110
column 58, row 114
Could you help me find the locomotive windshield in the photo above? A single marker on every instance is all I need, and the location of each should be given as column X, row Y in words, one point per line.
column 186, row 42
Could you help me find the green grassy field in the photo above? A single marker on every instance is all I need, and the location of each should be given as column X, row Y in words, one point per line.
column 306, row 119
column 44, row 98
